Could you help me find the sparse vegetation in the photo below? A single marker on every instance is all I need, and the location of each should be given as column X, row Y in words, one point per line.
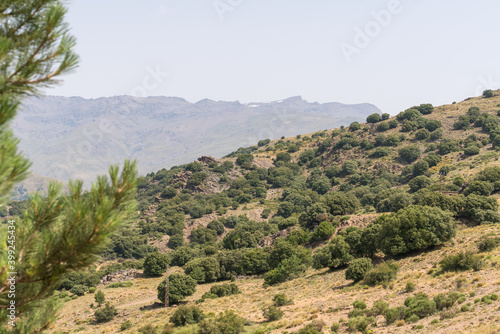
column 105, row 313
column 342, row 200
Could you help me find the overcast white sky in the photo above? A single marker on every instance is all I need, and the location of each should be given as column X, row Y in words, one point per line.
column 262, row 50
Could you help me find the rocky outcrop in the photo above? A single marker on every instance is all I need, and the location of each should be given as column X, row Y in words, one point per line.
column 206, row 160
column 120, row 276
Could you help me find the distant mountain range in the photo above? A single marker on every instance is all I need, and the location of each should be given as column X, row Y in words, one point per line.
column 73, row 137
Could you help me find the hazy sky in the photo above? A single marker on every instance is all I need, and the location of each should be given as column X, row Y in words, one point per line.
column 393, row 54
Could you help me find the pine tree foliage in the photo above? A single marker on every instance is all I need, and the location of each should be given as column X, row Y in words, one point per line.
column 58, row 233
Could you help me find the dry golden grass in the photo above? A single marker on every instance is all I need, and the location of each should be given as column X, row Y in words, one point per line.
column 319, row 294
column 326, row 295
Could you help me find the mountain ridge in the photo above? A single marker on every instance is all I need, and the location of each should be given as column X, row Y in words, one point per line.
column 74, row 137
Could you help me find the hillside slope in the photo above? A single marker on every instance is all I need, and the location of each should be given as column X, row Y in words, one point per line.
column 415, row 196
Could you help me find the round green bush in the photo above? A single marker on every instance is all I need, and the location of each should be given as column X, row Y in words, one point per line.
column 155, row 264
column 186, row 315
column 272, row 313
column 106, row 313
column 180, row 286
column 358, row 268
column 79, row 290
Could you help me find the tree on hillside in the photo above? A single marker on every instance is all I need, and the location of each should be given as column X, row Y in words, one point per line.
column 488, row 93
column 58, row 233
column 373, row 118
column 180, row 287
column 409, row 153
column 155, row 264
column 414, row 228
column 99, row 297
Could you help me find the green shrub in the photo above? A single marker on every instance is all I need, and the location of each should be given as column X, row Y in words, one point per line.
column 358, row 268
column 265, row 213
column 382, row 273
column 494, row 297
column 315, row 327
column 354, row 126
column 373, row 118
column 125, row 325
column 180, row 286
column 413, row 228
column 413, row 318
column 359, row 304
column 281, row 299
column 263, row 142
column 341, row 203
column 125, row 284
column 446, row 301
column 92, row 289
column 99, row 297
column 335, row 327
column 419, row 305
column 410, row 287
column 272, row 313
column 360, row 323
column 324, row 231
column 435, row 135
column 155, row 264
column 482, row 188
column 465, row 308
column 176, row 241
column 381, row 152
column 186, row 315
column 409, row 153
column 383, row 126
column 225, row 289
column 333, row 255
column 471, row 150
column 287, row 269
column 147, row 329
column 79, row 290
column 226, row 322
column 378, row 308
column 105, row 313
column 487, row 244
column 204, row 270
column 356, row 312
column 487, row 93
column 422, row 134
column 486, row 299
column 461, row 262
column 419, row 182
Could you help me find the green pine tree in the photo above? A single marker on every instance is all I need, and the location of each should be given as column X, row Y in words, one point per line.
column 99, row 297
column 58, row 233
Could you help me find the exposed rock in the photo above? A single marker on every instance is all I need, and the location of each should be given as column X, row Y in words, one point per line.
column 206, row 160
column 120, row 276
column 269, row 240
